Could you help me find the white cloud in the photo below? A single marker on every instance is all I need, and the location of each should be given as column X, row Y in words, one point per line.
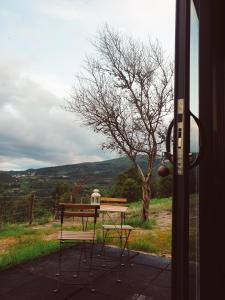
column 137, row 17
column 9, row 109
column 9, row 163
column 35, row 131
column 62, row 9
column 43, row 45
column 49, row 82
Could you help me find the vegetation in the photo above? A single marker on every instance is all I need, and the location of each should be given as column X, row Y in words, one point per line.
column 20, row 242
column 27, row 249
column 16, row 208
column 137, row 222
column 46, row 181
column 128, row 185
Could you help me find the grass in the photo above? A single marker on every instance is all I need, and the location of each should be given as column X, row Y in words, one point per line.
column 28, row 242
column 163, row 201
column 158, row 243
column 153, row 201
column 26, row 250
column 156, row 205
column 17, row 230
column 161, row 204
column 137, row 222
column 142, row 245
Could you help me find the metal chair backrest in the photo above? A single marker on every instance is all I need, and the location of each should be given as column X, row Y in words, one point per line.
column 78, row 210
column 113, row 201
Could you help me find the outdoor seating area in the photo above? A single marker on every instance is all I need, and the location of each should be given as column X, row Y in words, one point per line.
column 85, row 268
column 87, row 215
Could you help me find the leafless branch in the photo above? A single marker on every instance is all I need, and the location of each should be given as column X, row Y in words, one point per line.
column 126, row 93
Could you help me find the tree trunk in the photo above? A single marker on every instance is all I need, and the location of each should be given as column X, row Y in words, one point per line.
column 146, row 196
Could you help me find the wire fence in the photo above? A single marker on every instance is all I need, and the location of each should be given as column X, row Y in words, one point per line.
column 27, row 209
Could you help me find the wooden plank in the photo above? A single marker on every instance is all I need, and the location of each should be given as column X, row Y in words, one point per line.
column 123, row 227
column 80, row 235
column 79, row 206
column 109, row 199
column 113, row 208
column 86, row 233
column 78, row 214
column 114, row 204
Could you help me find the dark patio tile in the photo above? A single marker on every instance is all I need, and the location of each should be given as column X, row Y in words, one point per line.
column 12, row 279
column 157, row 293
column 152, row 260
column 148, row 279
column 169, row 266
column 164, row 279
column 88, row 295
column 40, row 288
column 133, row 280
column 139, row 275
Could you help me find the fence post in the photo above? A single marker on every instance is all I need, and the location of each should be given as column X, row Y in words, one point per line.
column 71, row 198
column 31, row 208
column 1, row 217
column 56, row 206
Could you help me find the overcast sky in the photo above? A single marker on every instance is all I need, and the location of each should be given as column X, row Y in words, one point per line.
column 43, row 45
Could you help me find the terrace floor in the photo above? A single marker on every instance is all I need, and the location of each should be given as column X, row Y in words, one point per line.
column 147, row 279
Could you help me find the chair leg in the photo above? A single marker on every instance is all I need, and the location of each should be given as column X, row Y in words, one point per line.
column 127, row 235
column 103, row 250
column 85, row 253
column 105, row 233
column 91, row 257
column 103, row 241
column 58, row 273
column 90, row 285
column 79, row 262
column 118, row 280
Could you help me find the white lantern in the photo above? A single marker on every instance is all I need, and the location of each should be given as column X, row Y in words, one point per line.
column 95, row 197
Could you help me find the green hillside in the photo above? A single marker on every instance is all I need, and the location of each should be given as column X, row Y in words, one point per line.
column 91, row 172
column 44, row 180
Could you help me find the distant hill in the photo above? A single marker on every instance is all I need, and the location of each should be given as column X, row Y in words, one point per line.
column 103, row 172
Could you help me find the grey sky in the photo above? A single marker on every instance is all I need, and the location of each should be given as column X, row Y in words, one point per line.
column 43, row 44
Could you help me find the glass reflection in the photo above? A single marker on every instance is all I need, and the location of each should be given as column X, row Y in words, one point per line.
column 194, row 149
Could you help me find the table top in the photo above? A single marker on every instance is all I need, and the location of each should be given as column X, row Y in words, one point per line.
column 113, row 208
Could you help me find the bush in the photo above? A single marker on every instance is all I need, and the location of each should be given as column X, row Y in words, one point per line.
column 128, row 185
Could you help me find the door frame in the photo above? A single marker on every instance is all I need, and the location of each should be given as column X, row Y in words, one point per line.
column 180, row 211
column 212, row 166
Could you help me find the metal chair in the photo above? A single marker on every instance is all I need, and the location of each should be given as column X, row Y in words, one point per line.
column 116, row 205
column 83, row 211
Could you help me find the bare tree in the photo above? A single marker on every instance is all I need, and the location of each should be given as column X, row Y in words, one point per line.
column 125, row 93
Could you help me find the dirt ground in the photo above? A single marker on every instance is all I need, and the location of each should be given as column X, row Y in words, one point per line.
column 5, row 243
column 163, row 219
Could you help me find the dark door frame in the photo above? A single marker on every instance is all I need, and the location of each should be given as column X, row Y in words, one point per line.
column 212, row 170
column 212, row 166
column 180, row 191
